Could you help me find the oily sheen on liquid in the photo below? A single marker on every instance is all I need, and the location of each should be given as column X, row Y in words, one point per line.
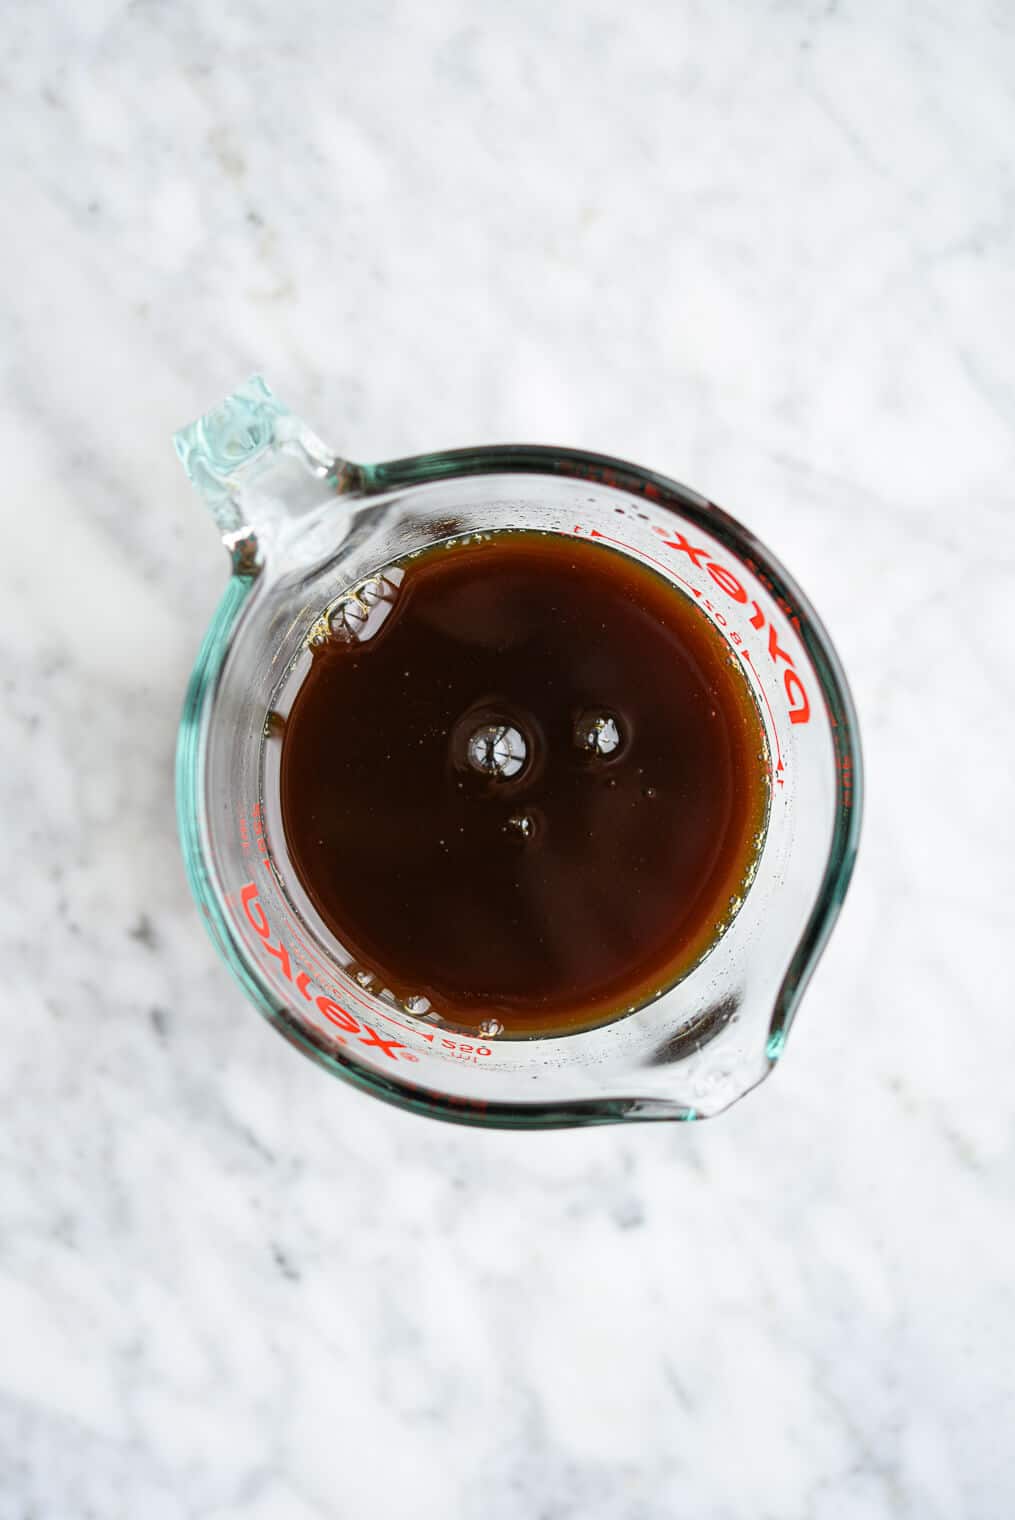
column 535, row 793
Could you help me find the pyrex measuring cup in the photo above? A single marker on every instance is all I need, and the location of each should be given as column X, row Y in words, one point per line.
column 309, row 534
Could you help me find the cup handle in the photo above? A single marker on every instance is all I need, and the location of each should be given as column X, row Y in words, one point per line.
column 259, row 470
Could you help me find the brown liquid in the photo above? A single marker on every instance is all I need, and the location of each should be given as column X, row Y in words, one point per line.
column 562, row 895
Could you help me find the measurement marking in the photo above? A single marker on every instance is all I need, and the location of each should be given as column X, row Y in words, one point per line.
column 348, row 991
column 320, row 967
column 329, row 976
column 595, row 533
column 745, row 654
column 399, row 1025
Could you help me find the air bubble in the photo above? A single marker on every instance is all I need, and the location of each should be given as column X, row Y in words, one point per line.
column 497, row 749
column 360, row 611
column 598, row 733
column 348, row 617
column 650, row 792
column 415, row 1004
column 374, row 590
column 522, row 824
column 490, row 1028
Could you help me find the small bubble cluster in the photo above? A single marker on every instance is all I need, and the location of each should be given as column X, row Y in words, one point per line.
column 348, row 616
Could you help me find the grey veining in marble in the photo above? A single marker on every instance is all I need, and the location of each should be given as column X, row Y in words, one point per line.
column 767, row 248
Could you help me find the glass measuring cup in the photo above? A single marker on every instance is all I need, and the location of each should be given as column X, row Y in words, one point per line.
column 309, row 535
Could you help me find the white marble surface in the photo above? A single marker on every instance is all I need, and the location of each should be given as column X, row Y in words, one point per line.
column 767, row 248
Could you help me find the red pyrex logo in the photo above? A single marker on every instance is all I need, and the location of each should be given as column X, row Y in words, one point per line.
column 332, row 1011
column 796, row 694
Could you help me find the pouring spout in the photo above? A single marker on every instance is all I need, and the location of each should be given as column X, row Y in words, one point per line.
column 259, row 469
